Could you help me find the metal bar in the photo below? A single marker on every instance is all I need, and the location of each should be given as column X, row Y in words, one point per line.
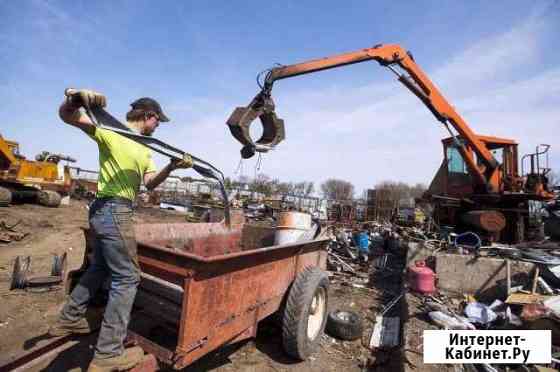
column 535, row 278
column 427, row 92
column 34, row 357
column 392, row 303
column 342, row 262
column 279, row 73
column 164, row 355
column 508, row 276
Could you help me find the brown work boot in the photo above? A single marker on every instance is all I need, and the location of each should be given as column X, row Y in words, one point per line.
column 127, row 360
column 65, row 327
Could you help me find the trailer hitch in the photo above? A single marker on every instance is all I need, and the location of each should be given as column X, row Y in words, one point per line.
column 239, row 122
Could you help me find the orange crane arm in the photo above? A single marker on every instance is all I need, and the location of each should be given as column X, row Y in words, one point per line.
column 415, row 80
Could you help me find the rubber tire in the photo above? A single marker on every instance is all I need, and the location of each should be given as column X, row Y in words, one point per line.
column 5, row 197
column 296, row 312
column 49, row 198
column 343, row 329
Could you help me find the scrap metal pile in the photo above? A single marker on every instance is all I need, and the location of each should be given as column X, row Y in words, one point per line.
column 529, row 301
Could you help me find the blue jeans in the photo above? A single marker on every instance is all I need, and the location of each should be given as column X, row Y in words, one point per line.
column 114, row 256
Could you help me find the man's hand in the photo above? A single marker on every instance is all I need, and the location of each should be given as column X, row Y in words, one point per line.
column 184, row 163
column 86, row 97
column 70, row 113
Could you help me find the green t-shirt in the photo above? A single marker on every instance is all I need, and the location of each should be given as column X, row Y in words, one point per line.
column 122, row 165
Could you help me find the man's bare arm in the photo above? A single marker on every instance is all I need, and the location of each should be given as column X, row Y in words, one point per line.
column 153, row 179
column 71, row 114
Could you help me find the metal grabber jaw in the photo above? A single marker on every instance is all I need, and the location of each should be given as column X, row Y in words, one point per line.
column 240, row 120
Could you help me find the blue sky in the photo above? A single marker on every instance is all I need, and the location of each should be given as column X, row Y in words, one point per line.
column 497, row 62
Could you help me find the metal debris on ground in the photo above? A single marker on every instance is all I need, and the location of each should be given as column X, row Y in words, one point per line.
column 22, row 267
column 392, row 303
column 9, row 234
column 385, row 332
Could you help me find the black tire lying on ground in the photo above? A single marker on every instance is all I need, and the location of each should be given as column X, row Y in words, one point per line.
column 305, row 313
column 5, row 197
column 345, row 325
column 49, row 198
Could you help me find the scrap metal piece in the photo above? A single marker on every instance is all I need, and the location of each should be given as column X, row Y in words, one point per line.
column 41, row 281
column 392, row 303
column 380, row 262
column 5, row 238
column 59, row 265
column 19, row 274
column 385, row 332
column 536, row 256
column 344, row 264
column 9, row 234
column 22, row 266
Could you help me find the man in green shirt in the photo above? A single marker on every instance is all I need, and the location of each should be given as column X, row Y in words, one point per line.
column 124, row 165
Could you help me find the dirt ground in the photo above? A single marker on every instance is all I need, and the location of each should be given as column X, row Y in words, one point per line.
column 25, row 317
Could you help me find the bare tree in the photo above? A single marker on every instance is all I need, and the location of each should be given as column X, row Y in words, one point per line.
column 390, row 193
column 283, row 188
column 337, row 189
column 262, row 183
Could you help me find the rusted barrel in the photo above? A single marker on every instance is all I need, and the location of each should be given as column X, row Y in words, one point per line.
column 291, row 225
column 491, row 221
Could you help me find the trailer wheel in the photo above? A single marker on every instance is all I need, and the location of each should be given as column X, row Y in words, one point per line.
column 49, row 198
column 305, row 313
column 345, row 325
column 5, row 197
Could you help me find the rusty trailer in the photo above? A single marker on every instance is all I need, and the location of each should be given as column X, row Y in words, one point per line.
column 205, row 285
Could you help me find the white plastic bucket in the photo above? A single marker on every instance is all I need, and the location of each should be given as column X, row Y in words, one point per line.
column 291, row 225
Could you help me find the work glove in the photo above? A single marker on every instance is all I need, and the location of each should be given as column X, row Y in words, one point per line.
column 86, row 98
column 184, row 163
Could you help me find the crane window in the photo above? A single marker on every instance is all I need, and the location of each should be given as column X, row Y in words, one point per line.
column 455, row 162
column 498, row 155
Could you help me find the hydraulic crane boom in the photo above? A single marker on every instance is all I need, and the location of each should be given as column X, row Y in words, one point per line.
column 492, row 197
column 392, row 56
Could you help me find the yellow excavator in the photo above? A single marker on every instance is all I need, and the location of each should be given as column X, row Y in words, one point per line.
column 44, row 180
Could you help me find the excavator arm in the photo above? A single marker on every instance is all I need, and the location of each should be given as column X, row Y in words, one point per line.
column 408, row 72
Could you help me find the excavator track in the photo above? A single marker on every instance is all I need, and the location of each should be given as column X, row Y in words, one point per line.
column 5, row 197
column 49, row 198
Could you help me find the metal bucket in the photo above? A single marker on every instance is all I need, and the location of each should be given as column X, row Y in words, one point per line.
column 291, row 226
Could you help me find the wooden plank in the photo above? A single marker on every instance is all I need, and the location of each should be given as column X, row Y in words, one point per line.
column 526, row 298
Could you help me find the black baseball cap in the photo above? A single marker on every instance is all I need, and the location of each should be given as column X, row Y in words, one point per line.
column 149, row 104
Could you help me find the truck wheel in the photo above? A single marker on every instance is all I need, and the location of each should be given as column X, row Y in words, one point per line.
column 305, row 313
column 49, row 198
column 345, row 325
column 5, row 197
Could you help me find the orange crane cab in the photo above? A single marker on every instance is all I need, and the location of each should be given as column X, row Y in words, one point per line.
column 458, row 198
column 481, row 186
